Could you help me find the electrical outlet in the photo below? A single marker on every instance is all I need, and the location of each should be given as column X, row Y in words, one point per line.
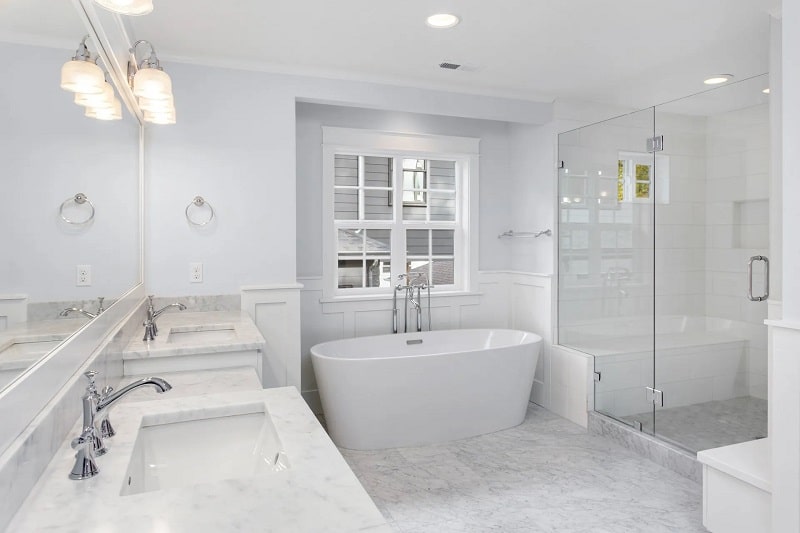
column 195, row 272
column 83, row 275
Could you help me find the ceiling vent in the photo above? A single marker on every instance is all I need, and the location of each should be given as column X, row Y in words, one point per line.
column 449, row 66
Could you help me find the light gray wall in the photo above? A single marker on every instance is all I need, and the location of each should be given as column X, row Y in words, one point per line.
column 234, row 144
column 533, row 152
column 49, row 152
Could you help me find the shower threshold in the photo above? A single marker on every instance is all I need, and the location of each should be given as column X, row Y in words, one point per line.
column 708, row 425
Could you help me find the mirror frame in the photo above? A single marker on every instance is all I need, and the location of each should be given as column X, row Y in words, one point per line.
column 24, row 398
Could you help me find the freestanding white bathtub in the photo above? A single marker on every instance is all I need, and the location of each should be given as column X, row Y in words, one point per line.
column 413, row 389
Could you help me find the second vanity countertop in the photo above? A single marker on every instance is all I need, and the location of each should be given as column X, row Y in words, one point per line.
column 317, row 493
column 22, row 344
column 189, row 333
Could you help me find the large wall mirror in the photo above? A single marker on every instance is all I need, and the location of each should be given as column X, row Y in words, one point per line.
column 70, row 203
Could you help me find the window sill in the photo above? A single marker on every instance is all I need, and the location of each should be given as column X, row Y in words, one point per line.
column 388, row 297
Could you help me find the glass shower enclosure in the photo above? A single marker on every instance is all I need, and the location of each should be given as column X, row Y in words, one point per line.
column 663, row 239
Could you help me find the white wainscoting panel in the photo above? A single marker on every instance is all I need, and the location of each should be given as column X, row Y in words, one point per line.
column 13, row 310
column 503, row 300
column 275, row 309
column 531, row 309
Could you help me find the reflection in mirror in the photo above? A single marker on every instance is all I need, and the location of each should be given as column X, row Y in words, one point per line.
column 70, row 204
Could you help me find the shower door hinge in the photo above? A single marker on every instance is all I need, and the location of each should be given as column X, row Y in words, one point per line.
column 597, row 376
column 655, row 144
column 655, row 396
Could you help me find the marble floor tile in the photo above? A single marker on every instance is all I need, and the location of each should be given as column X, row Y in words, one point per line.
column 709, row 424
column 546, row 475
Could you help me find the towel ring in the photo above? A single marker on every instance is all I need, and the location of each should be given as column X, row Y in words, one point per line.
column 79, row 199
column 199, row 202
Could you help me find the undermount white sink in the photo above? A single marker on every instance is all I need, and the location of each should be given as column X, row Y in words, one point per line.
column 27, row 350
column 212, row 333
column 204, row 447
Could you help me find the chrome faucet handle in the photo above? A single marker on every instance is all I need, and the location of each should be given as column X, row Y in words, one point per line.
column 93, row 398
column 85, row 464
column 90, row 375
column 106, row 429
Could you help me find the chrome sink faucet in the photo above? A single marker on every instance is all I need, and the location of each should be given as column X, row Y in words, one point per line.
column 100, row 309
column 89, row 444
column 150, row 328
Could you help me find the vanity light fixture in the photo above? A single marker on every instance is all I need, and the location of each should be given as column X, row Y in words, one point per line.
column 156, row 117
column 718, row 78
column 112, row 112
column 81, row 74
column 103, row 99
column 152, row 86
column 127, row 7
column 766, row 91
column 442, row 21
column 157, row 106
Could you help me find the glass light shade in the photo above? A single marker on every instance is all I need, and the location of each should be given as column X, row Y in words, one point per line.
column 103, row 99
column 82, row 77
column 106, row 113
column 160, row 118
column 157, row 106
column 153, row 84
column 127, row 7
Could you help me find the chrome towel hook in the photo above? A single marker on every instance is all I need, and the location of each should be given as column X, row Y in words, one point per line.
column 78, row 199
column 199, row 203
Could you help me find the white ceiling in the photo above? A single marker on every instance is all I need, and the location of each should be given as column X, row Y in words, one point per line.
column 626, row 52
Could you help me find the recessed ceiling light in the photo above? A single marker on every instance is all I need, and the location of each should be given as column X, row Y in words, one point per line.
column 719, row 78
column 442, row 20
column 766, row 91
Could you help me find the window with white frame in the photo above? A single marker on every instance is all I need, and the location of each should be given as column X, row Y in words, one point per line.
column 636, row 177
column 396, row 205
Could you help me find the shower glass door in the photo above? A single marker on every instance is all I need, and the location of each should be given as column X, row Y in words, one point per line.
column 606, row 190
column 712, row 215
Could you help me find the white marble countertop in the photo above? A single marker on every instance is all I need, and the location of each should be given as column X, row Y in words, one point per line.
column 317, row 493
column 748, row 461
column 244, row 335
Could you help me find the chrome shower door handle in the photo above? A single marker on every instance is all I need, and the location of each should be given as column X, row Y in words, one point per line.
column 750, row 278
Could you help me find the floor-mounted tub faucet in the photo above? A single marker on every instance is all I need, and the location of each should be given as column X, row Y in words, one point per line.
column 150, row 328
column 89, row 444
column 414, row 281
